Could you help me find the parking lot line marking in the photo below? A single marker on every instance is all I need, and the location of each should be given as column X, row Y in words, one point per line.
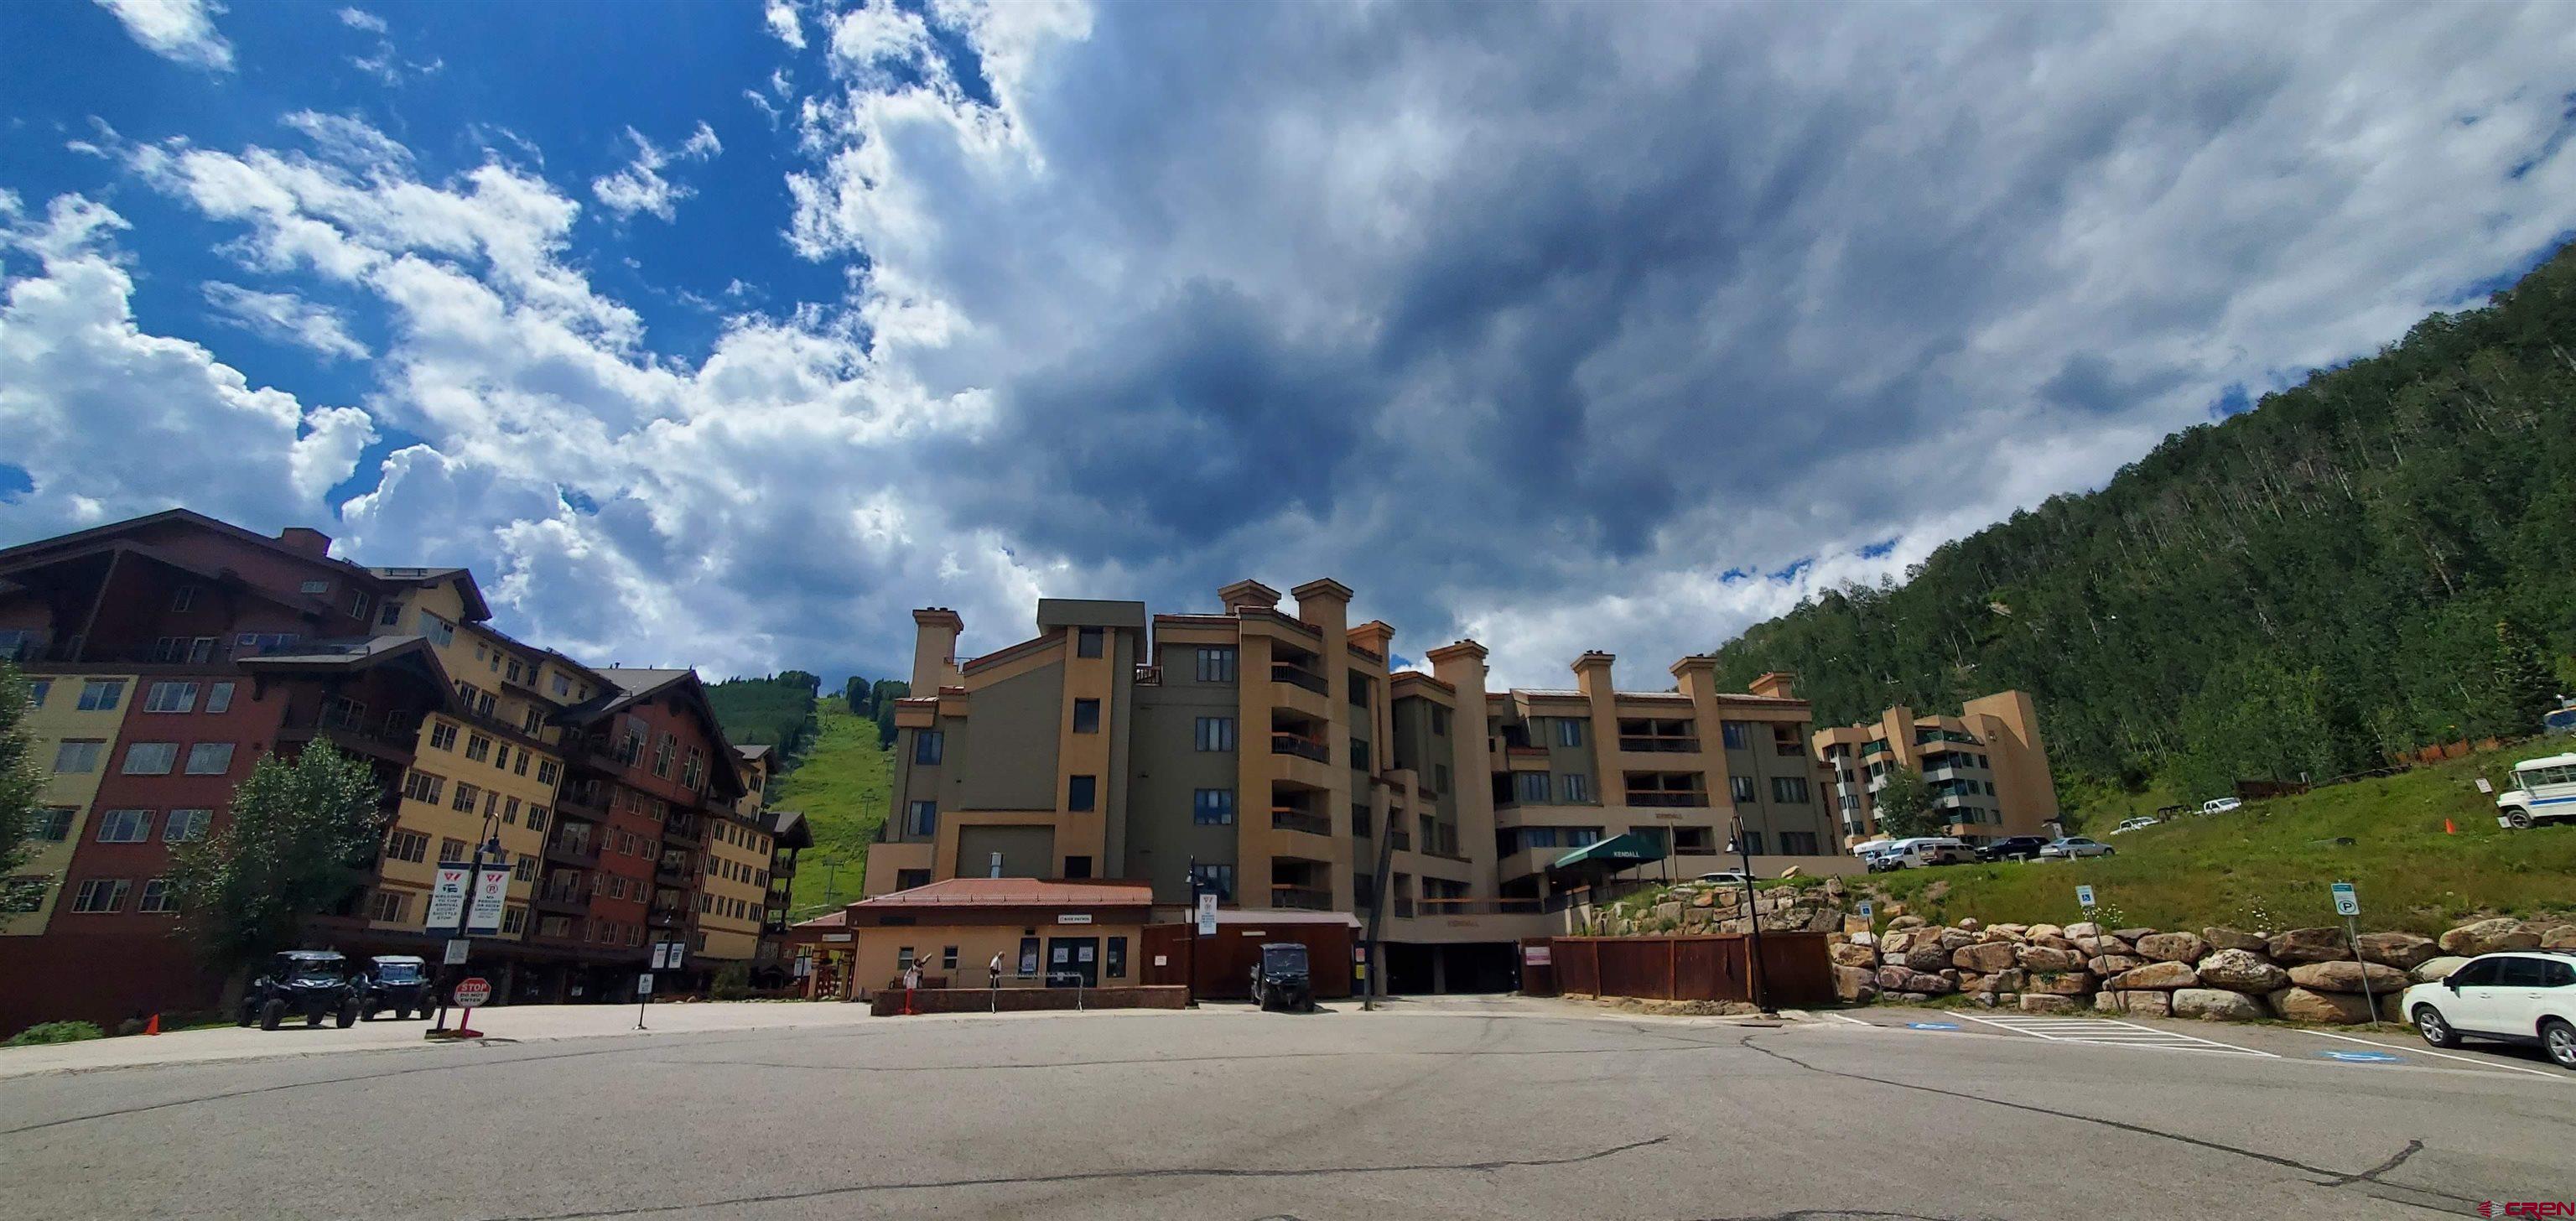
column 1853, row 1020
column 2512, row 1068
column 2107, row 1032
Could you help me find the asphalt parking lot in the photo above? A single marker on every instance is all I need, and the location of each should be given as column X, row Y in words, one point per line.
column 2384, row 1045
column 1442, row 1108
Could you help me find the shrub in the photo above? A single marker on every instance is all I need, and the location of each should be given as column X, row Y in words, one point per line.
column 54, row 1032
column 733, row 982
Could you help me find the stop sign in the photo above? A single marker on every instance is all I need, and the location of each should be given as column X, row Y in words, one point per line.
column 472, row 993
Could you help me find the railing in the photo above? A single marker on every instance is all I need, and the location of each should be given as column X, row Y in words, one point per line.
column 1297, row 676
column 1667, row 799
column 587, row 795
column 1648, row 745
column 1302, row 898
column 685, row 830
column 1291, row 744
column 560, row 904
column 399, row 733
column 1290, row 818
column 1481, row 907
column 562, row 851
column 1525, row 752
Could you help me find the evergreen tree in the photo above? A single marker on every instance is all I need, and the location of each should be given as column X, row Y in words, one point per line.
column 1905, row 806
column 21, row 776
column 298, row 833
column 2524, row 686
column 855, row 693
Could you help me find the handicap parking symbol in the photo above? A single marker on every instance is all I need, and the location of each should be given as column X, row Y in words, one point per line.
column 1932, row 1025
column 2362, row 1057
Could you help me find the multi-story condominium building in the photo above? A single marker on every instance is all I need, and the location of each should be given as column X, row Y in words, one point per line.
column 168, row 654
column 1986, row 769
column 1263, row 753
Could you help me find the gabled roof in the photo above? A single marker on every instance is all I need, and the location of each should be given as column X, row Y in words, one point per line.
column 40, row 560
column 754, row 751
column 1016, row 892
column 629, row 687
column 787, row 828
column 362, row 653
column 476, row 609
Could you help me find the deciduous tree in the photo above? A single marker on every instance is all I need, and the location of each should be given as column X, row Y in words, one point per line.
column 300, row 829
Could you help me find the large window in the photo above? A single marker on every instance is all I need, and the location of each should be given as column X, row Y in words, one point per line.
column 184, row 825
column 101, row 895
column 1789, row 790
column 210, row 758
column 78, row 756
column 1216, row 879
column 928, row 745
column 1215, row 733
column 151, row 758
column 1798, row 843
column 1576, row 788
column 1086, row 716
column 1742, row 789
column 53, row 824
column 1087, row 641
column 1736, row 734
column 423, row 786
column 440, row 632
column 1212, row 807
column 24, row 893
column 409, row 846
column 921, row 819
column 219, row 697
column 1569, row 731
column 102, row 695
column 171, row 697
column 124, row 826
column 1531, row 787
column 1216, row 664
column 1082, row 792
column 1439, row 721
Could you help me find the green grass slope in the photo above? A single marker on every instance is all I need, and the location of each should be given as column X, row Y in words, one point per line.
column 842, row 782
column 2268, row 866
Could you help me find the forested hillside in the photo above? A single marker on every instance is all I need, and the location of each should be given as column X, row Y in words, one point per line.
column 2381, row 557
column 775, row 711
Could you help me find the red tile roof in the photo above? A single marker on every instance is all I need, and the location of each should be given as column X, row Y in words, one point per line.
column 1016, row 892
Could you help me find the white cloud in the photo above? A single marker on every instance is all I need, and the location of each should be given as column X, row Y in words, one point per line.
column 640, row 186
column 286, row 318
column 179, row 30
column 361, row 19
column 784, row 23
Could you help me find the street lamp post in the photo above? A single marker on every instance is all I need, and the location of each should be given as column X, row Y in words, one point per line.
column 490, row 845
column 1752, row 916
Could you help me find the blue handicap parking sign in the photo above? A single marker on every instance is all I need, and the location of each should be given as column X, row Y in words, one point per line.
column 1932, row 1025
column 2363, row 1057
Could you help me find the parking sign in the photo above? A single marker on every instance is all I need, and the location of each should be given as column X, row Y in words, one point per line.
column 2084, row 897
column 1867, row 910
column 2347, row 903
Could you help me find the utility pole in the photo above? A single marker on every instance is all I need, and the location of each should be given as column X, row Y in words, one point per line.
column 1753, row 915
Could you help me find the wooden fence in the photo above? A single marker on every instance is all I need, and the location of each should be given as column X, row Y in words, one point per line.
column 1795, row 970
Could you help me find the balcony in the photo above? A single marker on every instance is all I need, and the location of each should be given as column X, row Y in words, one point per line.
column 1307, row 748
column 686, row 831
column 1297, row 676
column 1667, row 799
column 579, row 853
column 671, row 873
column 1303, row 898
column 393, row 738
column 667, row 917
column 1290, row 818
column 1482, row 907
column 560, row 904
column 587, row 799
column 1650, row 745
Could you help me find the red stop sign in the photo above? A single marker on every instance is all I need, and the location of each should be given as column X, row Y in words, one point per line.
column 472, row 993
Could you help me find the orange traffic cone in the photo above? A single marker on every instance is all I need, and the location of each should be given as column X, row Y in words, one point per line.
column 153, row 1026
column 2448, row 829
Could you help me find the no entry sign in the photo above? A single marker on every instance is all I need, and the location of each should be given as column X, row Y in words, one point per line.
column 473, row 993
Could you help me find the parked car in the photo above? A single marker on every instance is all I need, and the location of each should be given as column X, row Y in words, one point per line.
column 2132, row 824
column 1925, row 851
column 2074, row 846
column 1281, row 980
column 2012, row 848
column 312, row 983
column 1722, row 878
column 2544, row 790
column 2221, row 805
column 399, row 982
column 2523, row 996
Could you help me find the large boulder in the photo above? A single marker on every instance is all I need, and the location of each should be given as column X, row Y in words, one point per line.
column 1927, row 958
column 2404, row 951
column 1970, row 924
column 2218, row 1005
column 2224, row 938
column 1852, row 956
column 2010, row 979
column 1900, row 920
column 2131, row 935
column 2044, row 958
column 2156, row 977
column 1865, row 938
column 1953, row 939
column 2060, row 983
column 2242, row 971
column 2052, row 941
column 2331, row 1008
column 1855, row 985
column 2348, row 977
column 1899, row 979
column 1705, row 898
column 2036, row 1002
column 2135, row 1004
column 2016, row 932
column 2081, row 930
column 2433, row 970
column 1985, row 956
column 2172, row 947
column 2558, row 937
column 2309, row 945
column 2489, row 936
column 2037, row 931
column 2113, row 964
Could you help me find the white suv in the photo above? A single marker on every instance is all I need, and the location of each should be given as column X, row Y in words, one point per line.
column 2524, row 996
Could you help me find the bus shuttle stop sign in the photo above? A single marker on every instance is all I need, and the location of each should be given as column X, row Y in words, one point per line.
column 474, row 993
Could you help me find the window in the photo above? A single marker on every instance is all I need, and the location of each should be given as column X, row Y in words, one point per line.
column 1575, row 789
column 409, row 846
column 467, row 796
column 1752, row 843
column 1577, row 837
column 477, row 747
column 693, row 769
column 101, row 895
column 170, row 697
column 151, row 758
column 1569, row 731
column 909, row 879
column 37, row 689
column 1216, row 879
column 442, row 735
column 928, row 745
column 183, row 599
column 1086, row 716
column 665, row 746
column 921, row 819
column 536, row 818
column 1694, row 841
column 78, row 756
column 525, row 870
column 124, row 826
column 453, row 851
column 391, row 615
column 252, row 644
column 1087, row 641
column 1736, row 734
column 388, row 907
column 1212, row 807
column 1216, row 665
column 1077, row 866
column 210, row 758
column 547, row 772
column 101, row 695
column 1532, row 787
column 562, row 687
column 1439, row 721
column 422, row 786
column 514, row 919
column 1742, row 789
column 1439, row 777
column 1359, row 688
column 1789, row 790
column 501, row 758
column 53, row 824
column 1215, row 733
column 1116, row 967
column 440, row 632
column 184, row 825
column 1082, row 792
column 1798, row 843
column 1359, row 755
column 219, row 698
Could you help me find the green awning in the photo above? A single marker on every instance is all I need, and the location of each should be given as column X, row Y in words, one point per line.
column 1615, row 853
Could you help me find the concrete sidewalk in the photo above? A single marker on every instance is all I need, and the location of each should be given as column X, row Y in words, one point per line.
column 515, row 1023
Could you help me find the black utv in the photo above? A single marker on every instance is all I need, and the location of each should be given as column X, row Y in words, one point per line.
column 399, row 982
column 1281, row 980
column 314, row 984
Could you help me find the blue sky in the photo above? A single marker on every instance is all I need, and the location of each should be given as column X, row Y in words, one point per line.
column 724, row 334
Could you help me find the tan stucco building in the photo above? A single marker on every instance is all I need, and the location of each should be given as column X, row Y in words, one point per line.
column 1986, row 769
column 1261, row 752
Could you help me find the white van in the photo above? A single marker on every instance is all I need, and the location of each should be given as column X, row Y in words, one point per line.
column 1924, row 851
column 2544, row 790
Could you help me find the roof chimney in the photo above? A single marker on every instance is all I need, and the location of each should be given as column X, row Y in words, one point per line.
column 1248, row 593
column 934, row 649
column 1775, row 685
column 308, row 541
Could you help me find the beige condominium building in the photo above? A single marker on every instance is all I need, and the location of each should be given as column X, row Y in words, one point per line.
column 1986, row 769
column 1263, row 752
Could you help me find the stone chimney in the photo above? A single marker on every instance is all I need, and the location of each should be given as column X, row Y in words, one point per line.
column 1248, row 593
column 1775, row 685
column 308, row 541
column 1374, row 635
column 934, row 649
